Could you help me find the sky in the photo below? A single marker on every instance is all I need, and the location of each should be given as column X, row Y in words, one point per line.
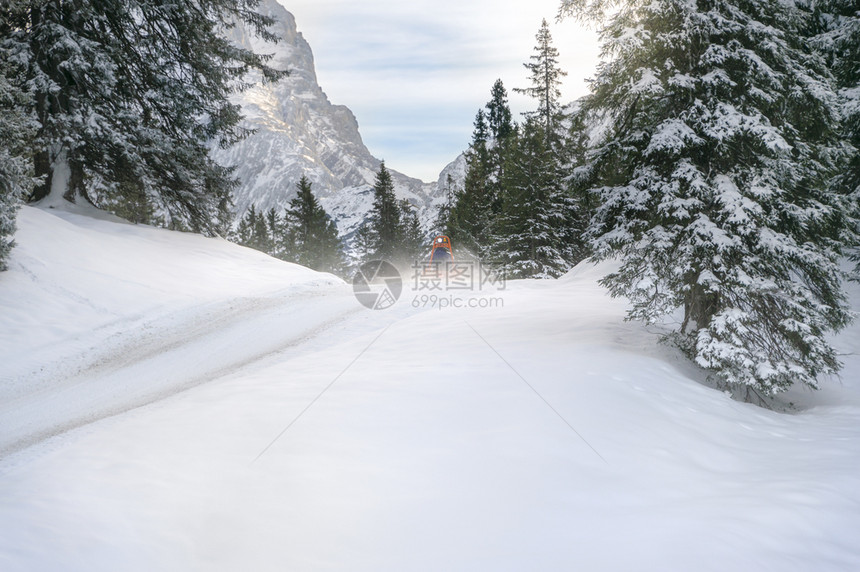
column 416, row 72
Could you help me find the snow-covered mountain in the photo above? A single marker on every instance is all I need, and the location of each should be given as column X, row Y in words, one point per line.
column 300, row 132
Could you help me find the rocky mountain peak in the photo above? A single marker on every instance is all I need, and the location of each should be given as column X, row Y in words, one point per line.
column 298, row 131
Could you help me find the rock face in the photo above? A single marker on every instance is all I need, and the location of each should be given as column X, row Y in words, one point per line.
column 300, row 132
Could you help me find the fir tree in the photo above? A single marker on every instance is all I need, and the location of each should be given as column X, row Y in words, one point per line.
column 577, row 177
column 443, row 218
column 224, row 217
column 314, row 235
column 253, row 232
column 260, row 238
column 532, row 234
column 412, row 239
column 384, row 228
column 478, row 203
column 363, row 240
column 126, row 200
column 135, row 93
column 276, row 228
column 503, row 133
column 242, row 234
column 16, row 132
column 481, row 131
column 545, row 76
column 499, row 122
column 837, row 38
column 712, row 181
column 471, row 210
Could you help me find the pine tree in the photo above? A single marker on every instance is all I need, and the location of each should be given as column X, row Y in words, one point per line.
column 471, row 209
column 261, row 240
column 499, row 122
column 479, row 154
column 363, row 240
column 481, row 131
column 242, row 234
column 224, row 217
column 503, row 133
column 443, row 217
column 384, row 223
column 16, row 132
column 712, row 179
column 253, row 231
column 331, row 256
column 532, row 234
column 314, row 236
column 412, row 239
column 275, row 229
column 133, row 93
column 546, row 80
column 837, row 38
column 126, row 200
column 475, row 207
column 578, row 176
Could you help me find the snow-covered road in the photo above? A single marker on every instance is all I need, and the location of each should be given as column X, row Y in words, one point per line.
column 155, row 337
column 151, row 360
column 311, row 434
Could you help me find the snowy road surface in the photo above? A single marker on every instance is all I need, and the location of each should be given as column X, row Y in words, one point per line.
column 547, row 434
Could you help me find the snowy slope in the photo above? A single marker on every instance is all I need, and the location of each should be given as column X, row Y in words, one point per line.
column 547, row 434
column 87, row 299
column 300, row 132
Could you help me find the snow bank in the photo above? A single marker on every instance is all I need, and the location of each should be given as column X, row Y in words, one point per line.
column 86, row 291
column 73, row 273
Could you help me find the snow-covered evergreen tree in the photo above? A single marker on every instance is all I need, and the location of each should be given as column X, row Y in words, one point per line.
column 501, row 130
column 16, row 131
column 253, row 231
column 478, row 203
column 443, row 217
column 838, row 40
column 579, row 129
column 545, row 76
column 312, row 233
column 712, row 180
column 9, row 203
column 472, row 209
column 134, row 92
column 384, row 225
column 531, row 235
column 413, row 242
column 276, row 229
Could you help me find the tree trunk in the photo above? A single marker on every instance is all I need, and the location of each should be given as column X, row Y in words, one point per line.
column 61, row 178
column 42, row 167
column 699, row 308
column 76, row 188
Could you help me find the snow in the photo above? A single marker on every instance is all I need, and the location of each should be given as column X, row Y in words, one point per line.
column 672, row 136
column 83, row 294
column 547, row 434
column 648, row 82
